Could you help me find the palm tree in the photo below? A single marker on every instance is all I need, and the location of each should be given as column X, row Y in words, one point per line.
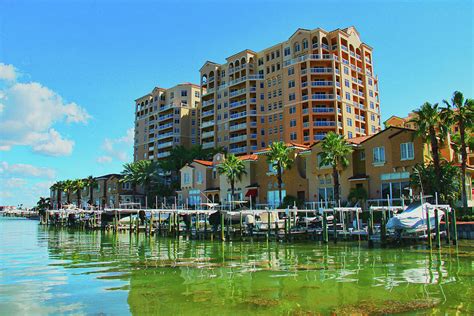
column 142, row 172
column 79, row 185
column 233, row 168
column 68, row 187
column 335, row 150
column 461, row 113
column 279, row 158
column 42, row 205
column 92, row 184
column 431, row 127
column 58, row 187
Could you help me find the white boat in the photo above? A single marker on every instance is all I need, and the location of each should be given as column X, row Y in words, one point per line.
column 414, row 218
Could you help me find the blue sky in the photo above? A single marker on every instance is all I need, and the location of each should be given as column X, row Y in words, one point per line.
column 86, row 61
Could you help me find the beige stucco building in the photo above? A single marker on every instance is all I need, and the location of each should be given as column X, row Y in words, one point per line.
column 166, row 118
column 295, row 91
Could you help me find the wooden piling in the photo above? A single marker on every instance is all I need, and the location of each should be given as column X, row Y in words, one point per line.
column 325, row 227
column 428, row 226
column 438, row 236
column 454, row 227
column 370, row 229
column 222, row 226
column 334, row 224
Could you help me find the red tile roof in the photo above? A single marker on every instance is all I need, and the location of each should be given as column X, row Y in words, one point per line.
column 203, row 162
column 248, row 157
column 358, row 140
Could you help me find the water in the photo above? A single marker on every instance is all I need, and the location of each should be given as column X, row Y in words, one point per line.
column 58, row 271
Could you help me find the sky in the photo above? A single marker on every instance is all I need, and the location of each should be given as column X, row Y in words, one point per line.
column 71, row 70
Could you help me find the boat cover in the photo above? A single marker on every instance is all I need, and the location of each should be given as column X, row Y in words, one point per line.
column 413, row 218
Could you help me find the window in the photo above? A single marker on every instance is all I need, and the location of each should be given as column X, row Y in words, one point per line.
column 292, row 123
column 291, row 97
column 297, row 47
column 186, row 178
column 349, row 122
column 346, row 83
column 293, row 136
column 407, row 151
column 346, row 70
column 291, row 84
column 196, row 94
column 305, row 44
column 287, row 51
column 292, row 110
column 349, row 134
column 184, row 93
column 370, row 82
column 320, row 158
column 348, row 96
column 273, row 197
column 291, row 71
column 379, row 155
column 199, row 177
column 348, row 109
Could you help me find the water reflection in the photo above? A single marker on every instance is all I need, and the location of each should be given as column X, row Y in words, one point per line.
column 82, row 270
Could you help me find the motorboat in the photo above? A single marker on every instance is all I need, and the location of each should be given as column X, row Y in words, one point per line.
column 414, row 218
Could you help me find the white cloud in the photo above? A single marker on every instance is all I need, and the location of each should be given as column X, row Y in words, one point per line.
column 117, row 148
column 52, row 144
column 8, row 72
column 29, row 111
column 104, row 159
column 14, row 182
column 26, row 170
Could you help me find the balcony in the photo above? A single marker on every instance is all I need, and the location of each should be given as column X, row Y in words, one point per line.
column 237, row 104
column 319, row 137
column 163, row 154
column 207, row 145
column 164, row 135
column 306, row 139
column 323, row 110
column 303, row 58
column 151, row 148
column 253, row 136
column 238, row 115
column 238, row 127
column 326, row 46
column 237, row 139
column 237, row 92
column 208, row 113
column 165, row 126
column 207, row 124
column 317, row 70
column 164, row 145
column 207, row 134
column 209, row 91
column 211, row 79
column 305, row 111
column 209, row 102
column 318, row 84
column 318, row 97
column 249, row 77
column 352, row 54
column 164, row 117
column 165, row 107
column 324, row 123
column 238, row 150
column 315, row 45
column 344, row 48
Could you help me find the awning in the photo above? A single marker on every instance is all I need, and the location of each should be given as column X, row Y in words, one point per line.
column 251, row 193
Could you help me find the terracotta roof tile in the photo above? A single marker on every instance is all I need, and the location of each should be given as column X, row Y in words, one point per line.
column 203, row 162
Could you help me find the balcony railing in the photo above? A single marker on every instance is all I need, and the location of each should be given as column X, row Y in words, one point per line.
column 207, row 124
column 208, row 145
column 209, row 102
column 318, row 84
column 165, row 117
column 344, row 47
column 164, row 145
column 318, row 97
column 236, row 139
column 238, row 115
column 319, row 136
column 238, row 150
column 324, row 123
column 165, row 126
column 323, row 110
column 310, row 57
column 164, row 135
column 238, row 127
column 163, row 154
column 237, row 104
column 165, row 107
column 237, row 92
column 208, row 113
column 207, row 134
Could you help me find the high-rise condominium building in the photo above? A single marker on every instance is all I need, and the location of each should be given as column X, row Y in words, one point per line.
column 166, row 118
column 295, row 91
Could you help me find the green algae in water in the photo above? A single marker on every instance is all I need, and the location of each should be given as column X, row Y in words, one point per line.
column 55, row 271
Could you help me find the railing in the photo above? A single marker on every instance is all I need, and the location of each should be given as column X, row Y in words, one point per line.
column 238, row 138
column 238, row 115
column 208, row 145
column 165, row 107
column 207, row 124
column 165, row 135
column 315, row 45
column 237, row 104
column 163, row 154
column 207, row 113
column 344, row 47
column 164, row 145
column 323, row 110
column 238, row 150
column 249, row 77
column 164, row 117
column 318, row 97
column 238, row 127
column 318, row 84
column 209, row 102
column 319, row 136
column 317, row 70
column 207, row 134
column 324, row 123
column 165, row 126
column 209, row 91
column 237, row 92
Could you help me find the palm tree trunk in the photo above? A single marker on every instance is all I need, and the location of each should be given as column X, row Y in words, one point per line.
column 280, row 181
column 232, row 190
column 462, row 133
column 335, row 176
column 436, row 161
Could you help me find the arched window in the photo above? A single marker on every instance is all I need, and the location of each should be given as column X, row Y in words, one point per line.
column 297, row 47
column 305, row 44
column 204, row 79
column 314, row 42
column 237, row 63
column 243, row 61
column 211, row 76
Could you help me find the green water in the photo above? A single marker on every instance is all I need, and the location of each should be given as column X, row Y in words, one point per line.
column 58, row 271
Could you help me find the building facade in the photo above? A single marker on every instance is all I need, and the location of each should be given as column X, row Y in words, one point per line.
column 166, row 118
column 295, row 91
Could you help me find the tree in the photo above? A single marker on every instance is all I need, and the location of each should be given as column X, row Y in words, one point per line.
column 92, row 184
column 233, row 168
column 432, row 128
column 335, row 150
column 279, row 158
column 42, row 205
column 358, row 194
column 461, row 113
column 424, row 176
column 58, row 187
column 142, row 172
column 68, row 187
column 79, row 185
